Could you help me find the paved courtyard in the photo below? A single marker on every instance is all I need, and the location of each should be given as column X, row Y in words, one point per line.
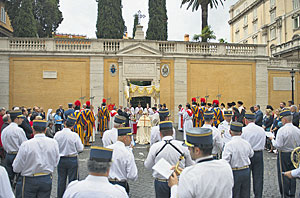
column 144, row 187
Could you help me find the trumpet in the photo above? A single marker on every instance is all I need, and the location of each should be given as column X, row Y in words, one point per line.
column 295, row 157
column 177, row 171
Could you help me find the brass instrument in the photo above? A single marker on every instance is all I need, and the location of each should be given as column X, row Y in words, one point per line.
column 295, row 157
column 177, row 171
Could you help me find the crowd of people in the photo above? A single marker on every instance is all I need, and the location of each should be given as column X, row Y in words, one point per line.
column 220, row 150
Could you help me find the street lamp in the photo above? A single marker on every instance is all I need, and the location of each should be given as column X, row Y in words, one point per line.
column 292, row 72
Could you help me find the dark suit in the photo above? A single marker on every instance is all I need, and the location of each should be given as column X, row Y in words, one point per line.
column 296, row 119
column 26, row 127
column 258, row 118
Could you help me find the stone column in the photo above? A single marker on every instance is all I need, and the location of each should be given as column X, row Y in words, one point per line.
column 4, row 81
column 96, row 80
column 262, row 83
column 122, row 100
column 180, row 83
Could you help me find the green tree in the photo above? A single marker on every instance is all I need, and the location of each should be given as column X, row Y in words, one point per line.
column 110, row 23
column 204, row 9
column 158, row 21
column 25, row 24
column 46, row 14
column 222, row 40
column 207, row 34
column 136, row 21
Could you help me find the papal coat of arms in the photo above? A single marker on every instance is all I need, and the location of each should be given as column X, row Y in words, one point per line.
column 113, row 69
column 165, row 70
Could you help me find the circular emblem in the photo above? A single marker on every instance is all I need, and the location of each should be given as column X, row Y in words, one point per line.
column 165, row 70
column 113, row 69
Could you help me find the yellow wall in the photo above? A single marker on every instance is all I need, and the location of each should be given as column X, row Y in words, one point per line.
column 28, row 88
column 167, row 87
column 6, row 25
column 111, row 83
column 233, row 80
column 275, row 97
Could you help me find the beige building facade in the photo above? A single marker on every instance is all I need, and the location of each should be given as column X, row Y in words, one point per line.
column 52, row 72
column 275, row 23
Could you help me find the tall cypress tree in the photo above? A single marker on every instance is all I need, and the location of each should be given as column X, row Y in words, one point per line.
column 136, row 21
column 24, row 22
column 110, row 23
column 158, row 21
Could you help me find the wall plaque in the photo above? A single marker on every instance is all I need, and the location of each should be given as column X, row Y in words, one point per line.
column 49, row 74
column 282, row 84
column 140, row 68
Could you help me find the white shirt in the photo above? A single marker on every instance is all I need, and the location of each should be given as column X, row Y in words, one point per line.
column 69, row 142
column 217, row 140
column 5, row 188
column 123, row 166
column 288, row 138
column 155, row 135
column 238, row 152
column 209, row 179
column 110, row 137
column 255, row 135
column 94, row 187
column 12, row 137
column 296, row 172
column 169, row 153
column 37, row 155
column 224, row 128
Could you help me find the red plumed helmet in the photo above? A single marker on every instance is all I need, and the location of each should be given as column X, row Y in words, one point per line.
column 202, row 100
column 194, row 99
column 103, row 100
column 216, row 102
column 88, row 103
column 77, row 103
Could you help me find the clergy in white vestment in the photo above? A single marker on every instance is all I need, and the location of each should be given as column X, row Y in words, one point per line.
column 187, row 119
column 112, row 115
column 180, row 117
column 144, row 128
column 155, row 117
column 138, row 109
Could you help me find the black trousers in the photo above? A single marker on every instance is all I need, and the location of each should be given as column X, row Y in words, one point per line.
column 257, row 169
column 241, row 188
column 284, row 164
column 9, row 159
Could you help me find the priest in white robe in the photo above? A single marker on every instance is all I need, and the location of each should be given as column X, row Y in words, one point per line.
column 144, row 129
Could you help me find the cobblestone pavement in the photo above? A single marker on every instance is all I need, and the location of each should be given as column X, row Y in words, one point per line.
column 144, row 186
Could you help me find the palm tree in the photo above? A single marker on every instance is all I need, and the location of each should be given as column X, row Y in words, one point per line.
column 204, row 9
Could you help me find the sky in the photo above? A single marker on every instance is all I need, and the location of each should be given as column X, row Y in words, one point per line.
column 80, row 17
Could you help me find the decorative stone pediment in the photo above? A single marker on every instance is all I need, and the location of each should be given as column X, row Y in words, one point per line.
column 140, row 50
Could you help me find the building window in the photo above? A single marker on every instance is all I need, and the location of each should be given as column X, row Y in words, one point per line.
column 255, row 26
column 273, row 33
column 3, row 15
column 245, row 32
column 272, row 3
column 272, row 16
column 296, row 22
column 255, row 40
column 254, row 13
column 245, row 20
column 237, row 36
column 296, row 4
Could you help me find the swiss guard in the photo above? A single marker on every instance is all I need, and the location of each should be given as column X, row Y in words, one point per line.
column 219, row 117
column 103, row 117
column 202, row 109
column 194, row 109
column 80, row 122
column 90, row 121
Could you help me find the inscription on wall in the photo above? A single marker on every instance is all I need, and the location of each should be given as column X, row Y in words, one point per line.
column 49, row 74
column 282, row 84
column 143, row 69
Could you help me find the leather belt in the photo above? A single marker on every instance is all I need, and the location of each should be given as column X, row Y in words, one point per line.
column 258, row 151
column 285, row 151
column 241, row 168
column 161, row 180
column 13, row 153
column 70, row 155
column 116, row 180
